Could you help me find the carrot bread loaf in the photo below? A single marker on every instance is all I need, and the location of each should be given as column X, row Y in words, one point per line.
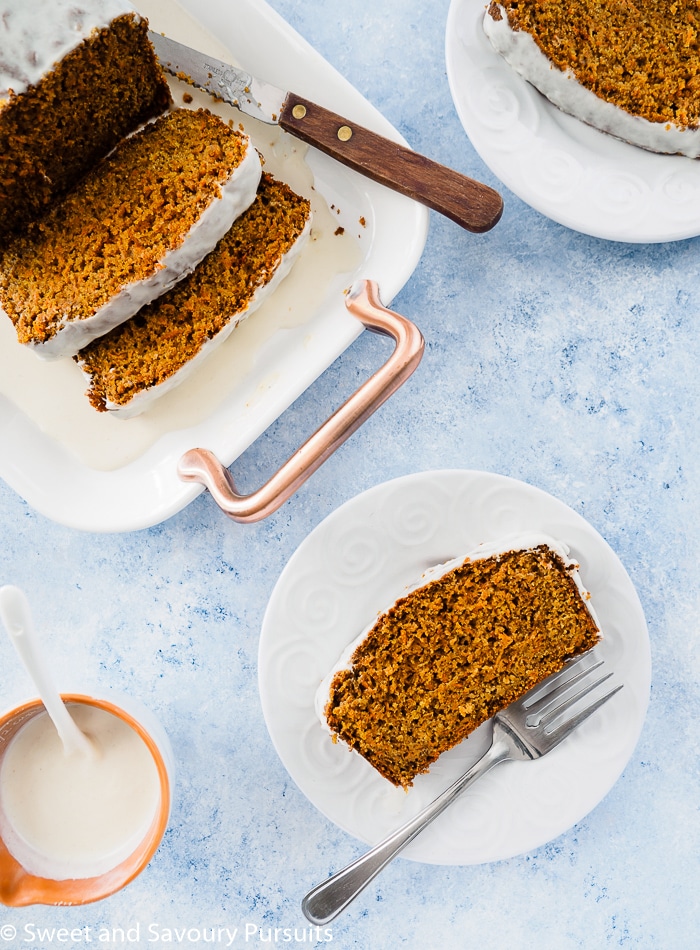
column 474, row 636
column 148, row 355
column 133, row 226
column 631, row 69
column 74, row 79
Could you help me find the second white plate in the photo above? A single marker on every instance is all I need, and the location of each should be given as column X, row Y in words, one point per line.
column 573, row 174
column 361, row 559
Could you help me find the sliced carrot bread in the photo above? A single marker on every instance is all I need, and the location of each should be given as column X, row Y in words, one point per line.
column 629, row 69
column 131, row 228
column 471, row 638
column 74, row 80
column 145, row 357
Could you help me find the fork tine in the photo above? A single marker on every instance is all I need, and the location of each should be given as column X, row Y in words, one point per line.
column 558, row 683
column 561, row 732
column 565, row 696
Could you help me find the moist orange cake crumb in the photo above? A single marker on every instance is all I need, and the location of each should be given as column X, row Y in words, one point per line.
column 144, row 355
column 450, row 654
column 131, row 227
column 642, row 56
column 57, row 119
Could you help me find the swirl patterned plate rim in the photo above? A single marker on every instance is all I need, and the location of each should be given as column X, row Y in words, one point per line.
column 355, row 564
column 577, row 176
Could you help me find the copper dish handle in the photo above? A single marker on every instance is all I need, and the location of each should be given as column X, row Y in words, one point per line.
column 201, row 465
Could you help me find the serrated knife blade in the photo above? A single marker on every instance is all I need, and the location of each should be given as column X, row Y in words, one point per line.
column 467, row 202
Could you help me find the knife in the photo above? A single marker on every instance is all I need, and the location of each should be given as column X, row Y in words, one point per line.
column 467, row 202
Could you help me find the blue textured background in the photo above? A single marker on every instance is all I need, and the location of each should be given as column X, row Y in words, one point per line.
column 562, row 360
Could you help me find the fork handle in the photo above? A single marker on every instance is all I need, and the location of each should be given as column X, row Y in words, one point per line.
column 325, row 901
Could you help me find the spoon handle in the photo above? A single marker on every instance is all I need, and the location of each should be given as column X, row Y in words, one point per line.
column 17, row 618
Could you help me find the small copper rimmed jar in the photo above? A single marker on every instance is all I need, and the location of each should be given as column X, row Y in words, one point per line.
column 20, row 886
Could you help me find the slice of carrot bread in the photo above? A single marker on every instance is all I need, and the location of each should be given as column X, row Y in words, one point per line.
column 131, row 228
column 148, row 355
column 473, row 637
column 630, row 69
column 74, row 80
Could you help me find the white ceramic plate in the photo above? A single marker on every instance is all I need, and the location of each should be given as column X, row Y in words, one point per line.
column 356, row 563
column 147, row 490
column 573, row 174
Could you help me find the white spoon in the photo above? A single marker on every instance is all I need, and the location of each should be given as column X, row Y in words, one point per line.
column 16, row 616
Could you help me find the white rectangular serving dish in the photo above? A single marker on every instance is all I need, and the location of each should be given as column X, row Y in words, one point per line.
column 147, row 490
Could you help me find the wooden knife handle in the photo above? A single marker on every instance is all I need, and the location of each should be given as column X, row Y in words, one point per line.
column 469, row 203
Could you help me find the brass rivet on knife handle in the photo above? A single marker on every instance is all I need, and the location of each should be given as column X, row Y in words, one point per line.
column 467, row 202
column 201, row 465
column 344, row 133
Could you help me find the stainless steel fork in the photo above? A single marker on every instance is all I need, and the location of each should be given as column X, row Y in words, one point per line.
column 525, row 730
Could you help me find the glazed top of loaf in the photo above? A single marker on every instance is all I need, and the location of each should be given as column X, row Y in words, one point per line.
column 36, row 35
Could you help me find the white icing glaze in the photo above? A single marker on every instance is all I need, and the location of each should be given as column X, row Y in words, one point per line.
column 37, row 34
column 522, row 53
column 520, row 542
column 142, row 400
column 75, row 816
column 235, row 195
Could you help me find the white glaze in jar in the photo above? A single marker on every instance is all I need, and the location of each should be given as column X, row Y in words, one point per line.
column 76, row 816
